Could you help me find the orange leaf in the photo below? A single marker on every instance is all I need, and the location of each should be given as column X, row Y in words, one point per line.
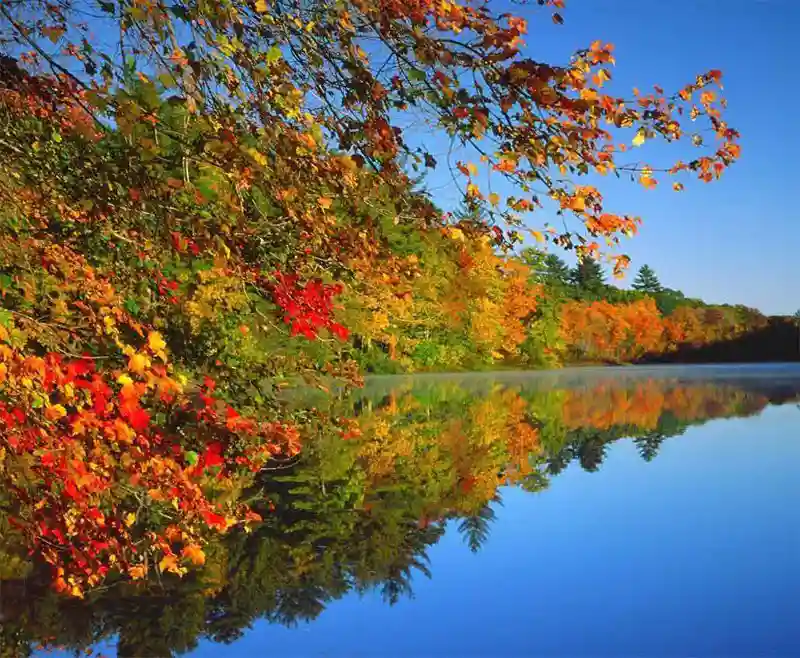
column 194, row 553
column 307, row 140
column 169, row 563
column 55, row 412
column 577, row 203
column 325, row 202
column 137, row 572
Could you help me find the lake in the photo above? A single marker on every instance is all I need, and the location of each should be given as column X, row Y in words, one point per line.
column 583, row 512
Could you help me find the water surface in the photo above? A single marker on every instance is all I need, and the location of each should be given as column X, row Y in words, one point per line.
column 592, row 512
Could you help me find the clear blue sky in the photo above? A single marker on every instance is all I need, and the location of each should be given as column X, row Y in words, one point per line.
column 736, row 240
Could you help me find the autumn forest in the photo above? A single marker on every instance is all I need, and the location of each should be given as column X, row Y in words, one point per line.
column 205, row 205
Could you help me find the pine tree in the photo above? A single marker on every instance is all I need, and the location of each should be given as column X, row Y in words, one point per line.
column 556, row 270
column 588, row 276
column 647, row 281
column 546, row 268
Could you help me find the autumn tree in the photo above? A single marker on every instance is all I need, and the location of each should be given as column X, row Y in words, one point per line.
column 185, row 206
column 646, row 281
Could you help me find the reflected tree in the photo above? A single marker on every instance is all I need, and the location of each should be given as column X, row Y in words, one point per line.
column 475, row 528
column 360, row 514
column 649, row 444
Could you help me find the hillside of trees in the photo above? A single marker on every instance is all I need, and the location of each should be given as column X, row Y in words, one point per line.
column 481, row 309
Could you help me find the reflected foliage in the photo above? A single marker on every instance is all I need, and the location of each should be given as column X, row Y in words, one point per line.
column 358, row 510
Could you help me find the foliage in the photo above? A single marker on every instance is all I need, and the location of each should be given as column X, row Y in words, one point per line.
column 219, row 200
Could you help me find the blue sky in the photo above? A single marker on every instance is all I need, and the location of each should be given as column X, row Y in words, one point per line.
column 735, row 240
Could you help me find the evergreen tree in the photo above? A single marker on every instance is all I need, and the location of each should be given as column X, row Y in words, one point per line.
column 547, row 268
column 646, row 281
column 556, row 270
column 588, row 277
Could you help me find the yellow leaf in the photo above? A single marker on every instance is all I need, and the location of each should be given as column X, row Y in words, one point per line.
column 259, row 157
column 537, row 236
column 137, row 363
column 473, row 190
column 473, row 170
column 494, row 199
column 155, row 341
column 261, row 6
column 169, row 563
column 130, row 519
column 577, row 203
column 640, row 137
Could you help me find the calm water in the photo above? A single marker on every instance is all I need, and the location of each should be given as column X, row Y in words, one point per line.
column 632, row 512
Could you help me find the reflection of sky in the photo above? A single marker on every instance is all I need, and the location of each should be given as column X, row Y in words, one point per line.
column 694, row 554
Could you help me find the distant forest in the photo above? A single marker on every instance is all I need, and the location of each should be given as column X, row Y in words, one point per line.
column 479, row 310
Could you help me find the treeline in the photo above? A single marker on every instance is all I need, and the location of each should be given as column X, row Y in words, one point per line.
column 465, row 304
column 359, row 514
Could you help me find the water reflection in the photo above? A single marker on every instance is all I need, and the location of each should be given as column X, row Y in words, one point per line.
column 359, row 510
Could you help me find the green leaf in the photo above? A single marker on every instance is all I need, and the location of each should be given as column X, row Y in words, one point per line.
column 5, row 316
column 191, row 457
column 166, row 80
column 207, row 187
column 417, row 75
column 273, row 55
column 131, row 306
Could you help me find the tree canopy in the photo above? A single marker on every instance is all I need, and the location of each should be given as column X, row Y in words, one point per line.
column 204, row 202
